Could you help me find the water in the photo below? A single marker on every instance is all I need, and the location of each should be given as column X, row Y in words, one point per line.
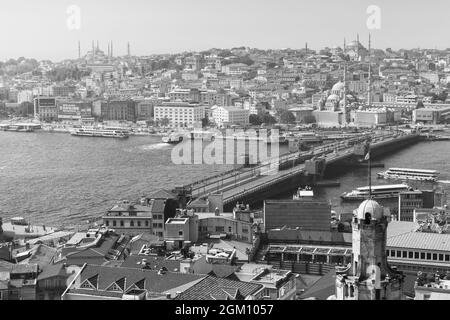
column 58, row 179
column 423, row 155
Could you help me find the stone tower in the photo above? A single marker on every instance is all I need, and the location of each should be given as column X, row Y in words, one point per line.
column 369, row 277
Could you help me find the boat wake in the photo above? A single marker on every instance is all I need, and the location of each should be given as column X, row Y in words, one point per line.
column 157, row 146
column 444, row 181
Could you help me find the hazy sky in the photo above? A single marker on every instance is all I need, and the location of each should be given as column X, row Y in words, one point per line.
column 38, row 28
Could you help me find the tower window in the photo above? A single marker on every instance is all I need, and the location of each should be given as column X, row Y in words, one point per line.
column 367, row 218
column 422, row 255
column 416, row 255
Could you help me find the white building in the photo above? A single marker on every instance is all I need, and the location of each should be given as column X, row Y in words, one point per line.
column 180, row 113
column 230, row 115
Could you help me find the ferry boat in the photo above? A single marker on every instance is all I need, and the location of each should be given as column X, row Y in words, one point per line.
column 303, row 193
column 409, row 174
column 378, row 192
column 104, row 133
column 178, row 136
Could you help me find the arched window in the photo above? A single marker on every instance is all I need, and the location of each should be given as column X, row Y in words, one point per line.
column 346, row 290
column 367, row 218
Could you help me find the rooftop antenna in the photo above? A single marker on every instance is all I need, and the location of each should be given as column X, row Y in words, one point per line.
column 111, row 49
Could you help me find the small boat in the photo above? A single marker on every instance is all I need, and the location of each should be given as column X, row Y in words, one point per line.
column 304, row 193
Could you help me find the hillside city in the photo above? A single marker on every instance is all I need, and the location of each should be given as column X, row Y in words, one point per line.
column 337, row 106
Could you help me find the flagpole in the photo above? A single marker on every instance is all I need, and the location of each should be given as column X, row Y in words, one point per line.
column 369, row 173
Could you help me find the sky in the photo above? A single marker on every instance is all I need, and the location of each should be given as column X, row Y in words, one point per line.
column 39, row 28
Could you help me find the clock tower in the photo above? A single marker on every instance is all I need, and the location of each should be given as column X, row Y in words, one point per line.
column 369, row 276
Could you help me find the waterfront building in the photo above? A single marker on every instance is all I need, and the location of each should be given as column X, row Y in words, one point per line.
column 180, row 113
column 302, row 114
column 118, row 110
column 128, row 218
column 225, row 116
column 144, row 109
column 74, row 110
column 432, row 115
column 45, row 108
column 369, row 118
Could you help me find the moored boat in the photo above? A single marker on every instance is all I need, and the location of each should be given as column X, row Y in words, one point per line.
column 409, row 174
column 377, row 192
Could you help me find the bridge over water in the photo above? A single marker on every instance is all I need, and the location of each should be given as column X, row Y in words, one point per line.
column 277, row 175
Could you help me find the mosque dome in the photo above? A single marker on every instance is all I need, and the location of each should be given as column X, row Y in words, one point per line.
column 369, row 207
column 338, row 86
column 333, row 97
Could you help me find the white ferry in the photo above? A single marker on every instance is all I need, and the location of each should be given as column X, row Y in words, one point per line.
column 409, row 174
column 97, row 132
column 178, row 136
column 378, row 192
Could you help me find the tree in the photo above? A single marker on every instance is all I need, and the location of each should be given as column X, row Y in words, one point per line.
column 268, row 119
column 287, row 117
column 309, row 119
column 255, row 120
column 165, row 122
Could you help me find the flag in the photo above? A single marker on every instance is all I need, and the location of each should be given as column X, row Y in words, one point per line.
column 367, row 157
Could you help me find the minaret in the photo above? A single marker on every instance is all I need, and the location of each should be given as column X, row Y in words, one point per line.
column 345, row 46
column 306, row 47
column 93, row 51
column 79, row 49
column 357, row 43
column 344, row 107
column 128, row 49
column 111, row 49
column 369, row 85
column 98, row 47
